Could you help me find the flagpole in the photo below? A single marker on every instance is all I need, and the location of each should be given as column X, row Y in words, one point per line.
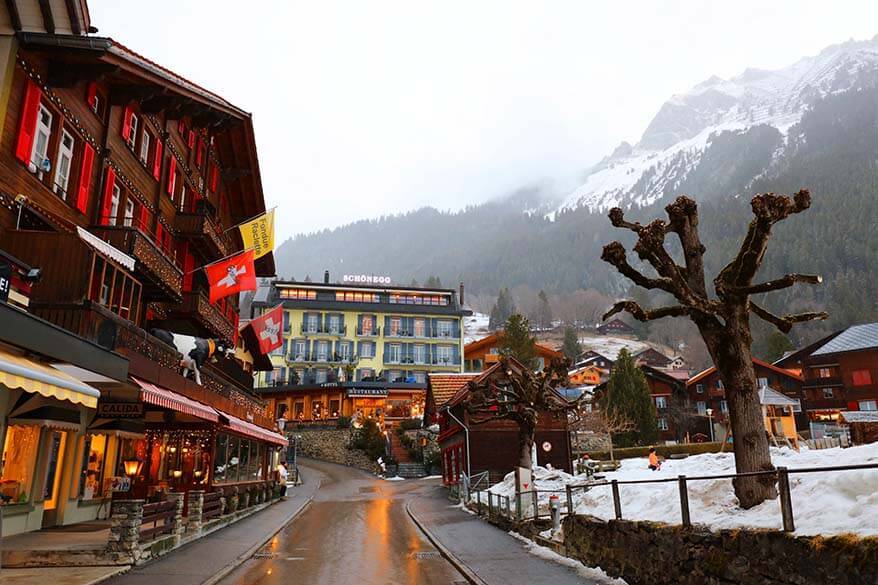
column 249, row 219
column 218, row 261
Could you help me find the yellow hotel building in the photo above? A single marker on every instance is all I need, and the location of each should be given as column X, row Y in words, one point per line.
column 352, row 349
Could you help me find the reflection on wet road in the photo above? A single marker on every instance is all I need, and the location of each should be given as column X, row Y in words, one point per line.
column 355, row 531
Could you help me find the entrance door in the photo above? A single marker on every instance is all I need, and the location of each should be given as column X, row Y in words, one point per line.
column 52, row 485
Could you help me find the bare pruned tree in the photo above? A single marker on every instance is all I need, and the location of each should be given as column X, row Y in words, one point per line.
column 722, row 319
column 602, row 423
column 518, row 394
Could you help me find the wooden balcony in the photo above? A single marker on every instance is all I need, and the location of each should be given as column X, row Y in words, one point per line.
column 203, row 231
column 163, row 279
column 197, row 305
column 154, row 361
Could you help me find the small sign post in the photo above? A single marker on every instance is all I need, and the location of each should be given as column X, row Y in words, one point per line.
column 524, row 492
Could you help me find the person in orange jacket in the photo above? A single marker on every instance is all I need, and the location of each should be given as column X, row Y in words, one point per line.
column 654, row 462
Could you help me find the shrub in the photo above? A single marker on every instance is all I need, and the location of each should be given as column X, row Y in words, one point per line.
column 369, row 439
column 411, row 424
column 344, row 422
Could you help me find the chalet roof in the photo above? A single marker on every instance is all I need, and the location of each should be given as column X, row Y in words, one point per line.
column 479, row 378
column 662, row 375
column 860, row 416
column 444, row 386
column 767, row 396
column 488, row 340
column 756, row 361
column 854, row 338
column 795, row 358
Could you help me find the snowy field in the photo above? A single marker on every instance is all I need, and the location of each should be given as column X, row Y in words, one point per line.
column 475, row 327
column 823, row 503
column 609, row 347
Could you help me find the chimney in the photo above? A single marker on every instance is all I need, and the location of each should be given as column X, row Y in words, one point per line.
column 460, row 300
column 325, row 277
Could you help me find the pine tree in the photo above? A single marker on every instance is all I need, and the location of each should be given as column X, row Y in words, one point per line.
column 543, row 315
column 628, row 398
column 518, row 342
column 433, row 282
column 571, row 347
column 776, row 345
column 414, row 283
column 502, row 310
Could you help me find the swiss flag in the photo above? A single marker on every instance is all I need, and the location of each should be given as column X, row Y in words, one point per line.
column 267, row 329
column 231, row 276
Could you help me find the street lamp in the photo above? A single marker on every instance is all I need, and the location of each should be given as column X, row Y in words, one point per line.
column 709, row 413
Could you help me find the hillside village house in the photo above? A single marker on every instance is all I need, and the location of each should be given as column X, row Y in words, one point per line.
column 481, row 354
column 615, row 327
column 353, row 349
column 839, row 374
column 586, row 376
column 120, row 179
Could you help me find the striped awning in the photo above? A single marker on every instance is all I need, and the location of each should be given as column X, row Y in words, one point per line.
column 152, row 394
column 254, row 431
column 37, row 378
column 106, row 249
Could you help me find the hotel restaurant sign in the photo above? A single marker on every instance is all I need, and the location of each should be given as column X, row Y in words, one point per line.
column 367, row 392
column 365, row 279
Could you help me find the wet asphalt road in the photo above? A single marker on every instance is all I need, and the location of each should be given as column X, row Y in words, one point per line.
column 355, row 531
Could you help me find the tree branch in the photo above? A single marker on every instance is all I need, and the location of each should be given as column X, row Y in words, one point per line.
column 785, row 323
column 614, row 253
column 636, row 311
column 777, row 284
column 683, row 220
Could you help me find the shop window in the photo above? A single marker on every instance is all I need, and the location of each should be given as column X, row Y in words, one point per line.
column 334, row 408
column 399, row 408
column 862, row 377
column 19, row 458
column 233, row 459
column 244, row 463
column 92, row 473
column 220, row 458
column 299, row 410
column 130, row 450
column 316, row 410
column 281, row 411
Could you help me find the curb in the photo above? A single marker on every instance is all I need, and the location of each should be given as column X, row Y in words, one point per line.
column 240, row 559
column 456, row 562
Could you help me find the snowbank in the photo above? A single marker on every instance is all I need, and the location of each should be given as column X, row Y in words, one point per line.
column 823, row 503
column 593, row 574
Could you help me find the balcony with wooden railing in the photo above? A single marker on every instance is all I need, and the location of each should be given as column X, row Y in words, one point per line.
column 164, row 279
column 202, row 228
column 198, row 305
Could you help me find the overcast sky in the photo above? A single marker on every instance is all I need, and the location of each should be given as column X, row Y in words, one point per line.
column 370, row 108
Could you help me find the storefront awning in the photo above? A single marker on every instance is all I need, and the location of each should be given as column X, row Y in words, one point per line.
column 106, row 249
column 254, row 431
column 152, row 394
column 36, row 378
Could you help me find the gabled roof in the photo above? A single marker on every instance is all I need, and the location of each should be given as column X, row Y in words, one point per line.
column 493, row 338
column 443, row 387
column 854, row 338
column 860, row 416
column 756, row 361
column 660, row 375
column 767, row 396
column 795, row 358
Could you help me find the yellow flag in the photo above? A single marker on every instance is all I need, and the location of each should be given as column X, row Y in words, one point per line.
column 259, row 234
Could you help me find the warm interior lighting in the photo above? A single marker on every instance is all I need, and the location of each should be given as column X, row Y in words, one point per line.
column 177, row 473
column 132, row 467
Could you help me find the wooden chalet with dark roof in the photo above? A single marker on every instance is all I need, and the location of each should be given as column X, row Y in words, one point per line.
column 615, row 327
column 481, row 354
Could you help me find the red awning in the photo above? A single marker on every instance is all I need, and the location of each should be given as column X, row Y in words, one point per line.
column 254, row 431
column 153, row 394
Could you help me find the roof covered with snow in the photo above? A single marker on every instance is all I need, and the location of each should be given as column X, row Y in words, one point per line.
column 770, row 397
column 860, row 416
column 853, row 338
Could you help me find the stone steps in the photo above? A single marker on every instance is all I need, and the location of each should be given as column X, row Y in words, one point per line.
column 411, row 470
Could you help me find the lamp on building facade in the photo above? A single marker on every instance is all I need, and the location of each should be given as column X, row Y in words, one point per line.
column 132, row 467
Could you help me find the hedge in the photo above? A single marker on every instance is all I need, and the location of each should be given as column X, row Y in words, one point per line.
column 663, row 450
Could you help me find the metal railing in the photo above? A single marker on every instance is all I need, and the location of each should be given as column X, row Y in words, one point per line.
column 530, row 499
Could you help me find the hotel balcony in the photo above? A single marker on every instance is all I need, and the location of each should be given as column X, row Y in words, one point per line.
column 162, row 278
column 202, row 229
column 410, row 361
column 209, row 316
column 323, row 330
column 316, row 358
column 374, row 332
column 427, row 335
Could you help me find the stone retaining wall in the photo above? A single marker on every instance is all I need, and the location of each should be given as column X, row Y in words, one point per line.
column 653, row 553
column 332, row 445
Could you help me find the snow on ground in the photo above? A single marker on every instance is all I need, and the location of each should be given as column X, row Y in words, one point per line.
column 594, row 574
column 394, row 478
column 823, row 503
column 475, row 327
column 609, row 346
column 432, row 477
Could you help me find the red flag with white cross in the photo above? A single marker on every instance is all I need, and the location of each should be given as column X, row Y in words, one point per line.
column 267, row 329
column 232, row 275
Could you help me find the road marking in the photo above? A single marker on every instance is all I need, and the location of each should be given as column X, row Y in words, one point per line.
column 294, row 559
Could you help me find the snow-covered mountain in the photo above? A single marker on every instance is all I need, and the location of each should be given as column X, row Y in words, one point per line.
column 673, row 144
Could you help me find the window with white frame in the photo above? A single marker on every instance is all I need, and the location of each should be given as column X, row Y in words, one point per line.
column 420, row 327
column 395, row 325
column 366, row 373
column 129, row 213
column 444, row 354
column 144, row 147
column 724, row 406
column 322, row 351
column 311, row 323
column 828, row 393
column 394, row 353
column 320, row 375
column 797, row 407
column 334, row 323
column 661, row 402
column 96, row 103
column 40, row 148
column 299, row 350
column 444, row 328
column 65, row 162
column 182, row 196
column 662, row 423
column 762, row 382
column 132, row 133
column 868, row 405
column 701, row 407
column 345, row 351
column 115, row 200
column 367, row 349
column 699, row 388
column 420, row 377
column 420, row 354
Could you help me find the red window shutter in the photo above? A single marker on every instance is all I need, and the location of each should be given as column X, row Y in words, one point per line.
column 157, row 161
column 188, row 271
column 92, row 93
column 82, row 192
column 109, row 183
column 144, row 218
column 172, row 175
column 214, row 178
column 28, row 126
column 181, row 127
column 159, row 233
column 199, row 153
column 191, row 139
column 126, row 122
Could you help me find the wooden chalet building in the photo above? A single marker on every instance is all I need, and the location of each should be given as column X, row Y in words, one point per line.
column 598, row 360
column 840, row 374
column 668, row 394
column 481, row 354
column 119, row 180
column 490, row 447
column 615, row 327
column 653, row 358
column 705, row 391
